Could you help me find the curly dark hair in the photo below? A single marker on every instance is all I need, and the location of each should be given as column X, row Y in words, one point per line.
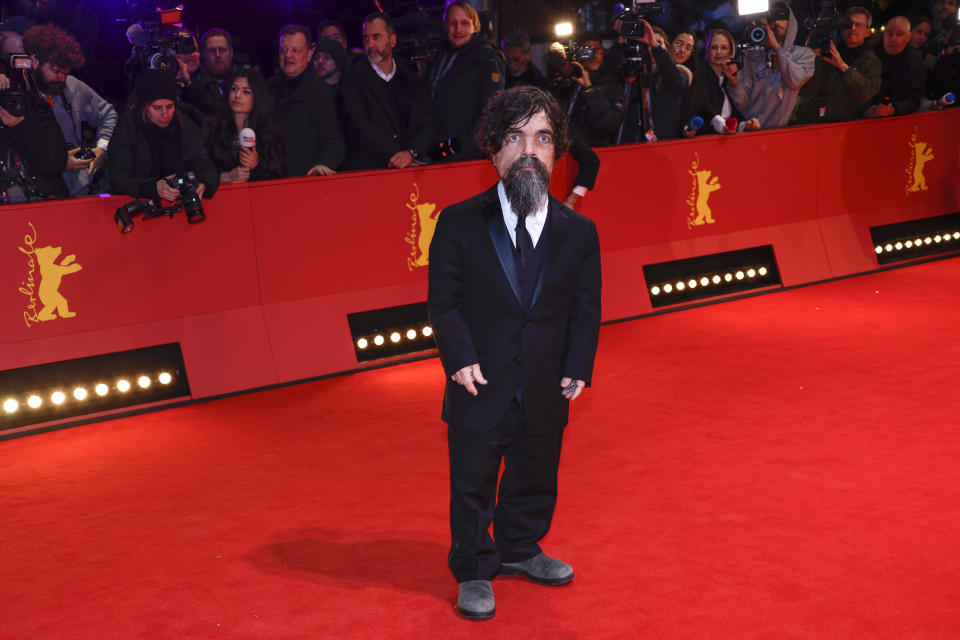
column 50, row 43
column 511, row 109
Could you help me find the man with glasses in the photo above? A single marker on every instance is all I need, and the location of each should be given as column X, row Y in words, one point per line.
column 208, row 86
column 846, row 76
column 516, row 48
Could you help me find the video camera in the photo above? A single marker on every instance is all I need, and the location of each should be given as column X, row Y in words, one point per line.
column 560, row 64
column 14, row 98
column 420, row 32
column 156, row 44
column 189, row 202
column 635, row 58
column 755, row 35
column 827, row 28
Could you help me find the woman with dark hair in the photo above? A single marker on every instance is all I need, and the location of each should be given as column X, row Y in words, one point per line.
column 681, row 49
column 709, row 93
column 153, row 142
column 249, row 106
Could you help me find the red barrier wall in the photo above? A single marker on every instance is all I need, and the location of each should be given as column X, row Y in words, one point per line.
column 259, row 292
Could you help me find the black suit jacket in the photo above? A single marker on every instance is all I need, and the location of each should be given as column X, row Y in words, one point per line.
column 477, row 316
column 373, row 131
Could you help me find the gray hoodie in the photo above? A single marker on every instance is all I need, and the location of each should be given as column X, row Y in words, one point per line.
column 85, row 106
column 769, row 95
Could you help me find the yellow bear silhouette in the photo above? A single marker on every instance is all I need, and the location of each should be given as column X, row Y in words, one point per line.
column 922, row 155
column 428, row 223
column 51, row 275
column 705, row 186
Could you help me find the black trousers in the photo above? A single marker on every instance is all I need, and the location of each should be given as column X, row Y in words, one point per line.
column 522, row 508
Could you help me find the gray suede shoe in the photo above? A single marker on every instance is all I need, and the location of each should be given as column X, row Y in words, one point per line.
column 542, row 569
column 475, row 600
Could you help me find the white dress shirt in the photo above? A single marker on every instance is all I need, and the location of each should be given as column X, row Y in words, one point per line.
column 535, row 220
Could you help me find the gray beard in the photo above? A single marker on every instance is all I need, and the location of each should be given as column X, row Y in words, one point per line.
column 526, row 190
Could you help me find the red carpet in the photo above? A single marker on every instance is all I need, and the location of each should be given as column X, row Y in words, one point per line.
column 784, row 466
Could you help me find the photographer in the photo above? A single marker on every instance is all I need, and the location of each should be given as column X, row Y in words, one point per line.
column 516, row 49
column 845, row 77
column 55, row 53
column 462, row 78
column 591, row 95
column 667, row 89
column 903, row 74
column 32, row 153
column 770, row 94
column 710, row 99
column 197, row 87
column 154, row 141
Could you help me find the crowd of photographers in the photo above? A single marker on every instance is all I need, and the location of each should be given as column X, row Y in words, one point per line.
column 194, row 120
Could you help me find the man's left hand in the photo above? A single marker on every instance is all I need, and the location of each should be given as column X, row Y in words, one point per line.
column 771, row 40
column 400, row 160
column 571, row 388
column 74, row 163
column 572, row 201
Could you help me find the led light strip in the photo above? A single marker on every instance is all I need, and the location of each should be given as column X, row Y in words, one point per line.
column 706, row 281
column 58, row 397
column 915, row 243
column 395, row 337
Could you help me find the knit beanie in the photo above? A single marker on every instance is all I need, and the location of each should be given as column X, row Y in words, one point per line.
column 153, row 84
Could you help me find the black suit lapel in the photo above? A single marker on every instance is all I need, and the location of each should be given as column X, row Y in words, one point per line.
column 500, row 239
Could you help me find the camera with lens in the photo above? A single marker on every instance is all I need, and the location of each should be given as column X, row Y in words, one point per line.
column 187, row 186
column 157, row 43
column 635, row 56
column 14, row 98
column 84, row 152
column 827, row 28
column 189, row 202
column 420, row 32
column 16, row 176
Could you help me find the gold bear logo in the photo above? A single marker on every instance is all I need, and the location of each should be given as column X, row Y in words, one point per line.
column 920, row 154
column 51, row 275
column 704, row 183
column 424, row 222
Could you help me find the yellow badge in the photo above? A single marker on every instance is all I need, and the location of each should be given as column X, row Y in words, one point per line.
column 495, row 77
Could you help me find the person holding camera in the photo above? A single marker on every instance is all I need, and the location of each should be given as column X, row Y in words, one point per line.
column 462, row 78
column 32, row 153
column 666, row 90
column 902, row 77
column 154, row 142
column 55, row 53
column 845, row 76
column 710, row 98
column 237, row 156
column 768, row 85
column 592, row 95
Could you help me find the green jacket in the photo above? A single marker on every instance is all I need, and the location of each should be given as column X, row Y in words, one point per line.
column 838, row 94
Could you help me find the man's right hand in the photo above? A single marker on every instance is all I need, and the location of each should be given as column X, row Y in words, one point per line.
column 468, row 376
column 584, row 78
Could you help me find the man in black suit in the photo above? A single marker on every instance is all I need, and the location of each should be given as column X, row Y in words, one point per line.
column 514, row 302
column 386, row 107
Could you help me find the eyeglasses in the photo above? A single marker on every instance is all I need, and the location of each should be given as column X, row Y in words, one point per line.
column 683, row 47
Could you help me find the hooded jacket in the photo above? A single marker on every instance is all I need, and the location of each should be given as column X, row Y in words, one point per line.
column 769, row 95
